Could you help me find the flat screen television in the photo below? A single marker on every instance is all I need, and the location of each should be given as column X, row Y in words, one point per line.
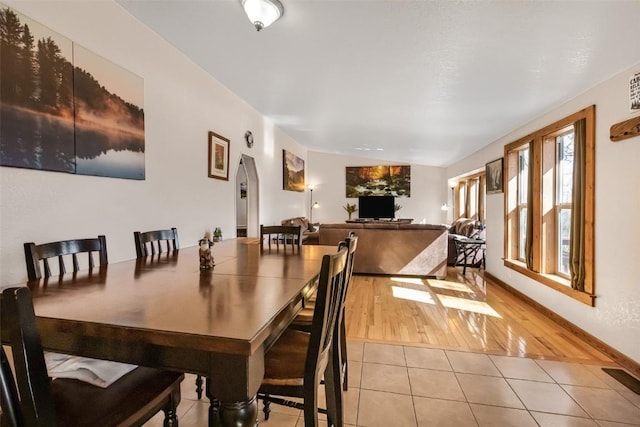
column 376, row 207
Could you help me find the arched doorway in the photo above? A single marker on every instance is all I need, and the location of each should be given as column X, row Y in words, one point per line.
column 247, row 198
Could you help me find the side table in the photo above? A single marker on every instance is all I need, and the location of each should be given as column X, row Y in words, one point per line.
column 469, row 249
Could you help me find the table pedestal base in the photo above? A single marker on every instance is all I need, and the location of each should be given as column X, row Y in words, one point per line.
column 236, row 414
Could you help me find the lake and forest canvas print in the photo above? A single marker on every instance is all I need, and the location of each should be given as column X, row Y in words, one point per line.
column 64, row 108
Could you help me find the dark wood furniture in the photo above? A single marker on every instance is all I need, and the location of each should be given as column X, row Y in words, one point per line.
column 150, row 242
column 304, row 320
column 163, row 312
column 298, row 360
column 35, row 253
column 131, row 400
column 287, row 234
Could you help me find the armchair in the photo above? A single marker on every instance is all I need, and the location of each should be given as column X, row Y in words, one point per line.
column 309, row 232
column 462, row 227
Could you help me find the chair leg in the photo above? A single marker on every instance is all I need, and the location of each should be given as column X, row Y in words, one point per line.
column 266, row 409
column 199, row 386
column 170, row 410
column 333, row 389
column 344, row 360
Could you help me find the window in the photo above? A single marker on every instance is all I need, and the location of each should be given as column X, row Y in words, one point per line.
column 523, row 182
column 469, row 196
column 540, row 197
column 563, row 200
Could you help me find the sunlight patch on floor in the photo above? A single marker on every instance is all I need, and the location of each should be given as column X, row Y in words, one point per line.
column 410, row 280
column 453, row 286
column 412, row 295
column 479, row 307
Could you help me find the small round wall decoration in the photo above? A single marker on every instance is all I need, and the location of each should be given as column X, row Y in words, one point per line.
column 248, row 136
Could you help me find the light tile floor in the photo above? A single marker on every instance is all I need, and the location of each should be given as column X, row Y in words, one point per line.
column 391, row 385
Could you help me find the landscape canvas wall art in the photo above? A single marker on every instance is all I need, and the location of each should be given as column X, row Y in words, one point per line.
column 292, row 172
column 384, row 180
column 64, row 108
column 109, row 119
column 36, row 95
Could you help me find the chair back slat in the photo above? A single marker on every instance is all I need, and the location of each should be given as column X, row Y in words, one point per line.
column 34, row 384
column 286, row 233
column 150, row 242
column 325, row 314
column 36, row 253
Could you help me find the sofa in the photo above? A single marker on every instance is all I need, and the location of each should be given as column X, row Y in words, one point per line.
column 309, row 233
column 393, row 248
column 463, row 228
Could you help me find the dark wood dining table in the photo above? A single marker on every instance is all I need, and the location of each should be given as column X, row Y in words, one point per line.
column 164, row 312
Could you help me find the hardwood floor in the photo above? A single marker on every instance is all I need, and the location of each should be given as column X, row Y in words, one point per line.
column 465, row 313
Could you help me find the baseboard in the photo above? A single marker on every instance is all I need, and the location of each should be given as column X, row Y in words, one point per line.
column 614, row 354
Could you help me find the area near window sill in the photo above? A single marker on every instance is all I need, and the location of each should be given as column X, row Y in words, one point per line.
column 555, row 282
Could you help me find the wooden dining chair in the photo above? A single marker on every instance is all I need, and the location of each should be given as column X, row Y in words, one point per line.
column 297, row 361
column 35, row 253
column 304, row 318
column 287, row 234
column 41, row 401
column 151, row 242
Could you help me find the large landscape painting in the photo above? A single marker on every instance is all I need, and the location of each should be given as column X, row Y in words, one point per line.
column 292, row 172
column 63, row 108
column 378, row 181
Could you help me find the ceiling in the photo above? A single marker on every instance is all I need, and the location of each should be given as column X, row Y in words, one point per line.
column 422, row 82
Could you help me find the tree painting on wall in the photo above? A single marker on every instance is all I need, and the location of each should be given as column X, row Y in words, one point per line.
column 292, row 172
column 64, row 108
column 36, row 95
column 383, row 180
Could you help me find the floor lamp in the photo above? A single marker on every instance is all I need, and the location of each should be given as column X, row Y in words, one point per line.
column 312, row 205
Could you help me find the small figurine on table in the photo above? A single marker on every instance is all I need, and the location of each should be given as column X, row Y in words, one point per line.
column 206, row 259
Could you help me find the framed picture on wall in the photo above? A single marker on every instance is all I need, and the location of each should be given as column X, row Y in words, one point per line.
column 218, row 156
column 494, row 176
column 292, row 172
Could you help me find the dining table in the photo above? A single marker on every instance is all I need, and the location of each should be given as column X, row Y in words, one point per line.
column 163, row 311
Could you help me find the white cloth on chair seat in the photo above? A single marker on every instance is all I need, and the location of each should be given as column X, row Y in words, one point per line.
column 101, row 373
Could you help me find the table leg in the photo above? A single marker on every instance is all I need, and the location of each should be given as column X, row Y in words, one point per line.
column 234, row 414
column 232, row 385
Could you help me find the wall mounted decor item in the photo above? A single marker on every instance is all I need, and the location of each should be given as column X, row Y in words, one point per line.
column 109, row 119
column 634, row 93
column 493, row 172
column 383, row 180
column 218, row 156
column 64, row 108
column 292, row 172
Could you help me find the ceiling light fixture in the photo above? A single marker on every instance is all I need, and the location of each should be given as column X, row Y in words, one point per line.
column 262, row 13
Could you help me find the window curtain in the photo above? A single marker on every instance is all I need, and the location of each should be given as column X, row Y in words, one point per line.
column 528, row 248
column 577, row 245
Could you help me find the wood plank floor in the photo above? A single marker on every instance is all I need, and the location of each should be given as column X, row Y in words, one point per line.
column 463, row 312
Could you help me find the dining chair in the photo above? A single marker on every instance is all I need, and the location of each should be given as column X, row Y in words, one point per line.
column 31, row 398
column 35, row 253
column 149, row 242
column 281, row 233
column 297, row 361
column 304, row 318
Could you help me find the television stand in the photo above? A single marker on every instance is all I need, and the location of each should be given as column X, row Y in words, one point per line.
column 369, row 221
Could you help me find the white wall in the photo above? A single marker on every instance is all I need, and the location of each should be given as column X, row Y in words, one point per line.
column 327, row 175
column 182, row 103
column 616, row 317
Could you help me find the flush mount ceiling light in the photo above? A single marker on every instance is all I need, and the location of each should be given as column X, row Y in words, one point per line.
column 262, row 13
